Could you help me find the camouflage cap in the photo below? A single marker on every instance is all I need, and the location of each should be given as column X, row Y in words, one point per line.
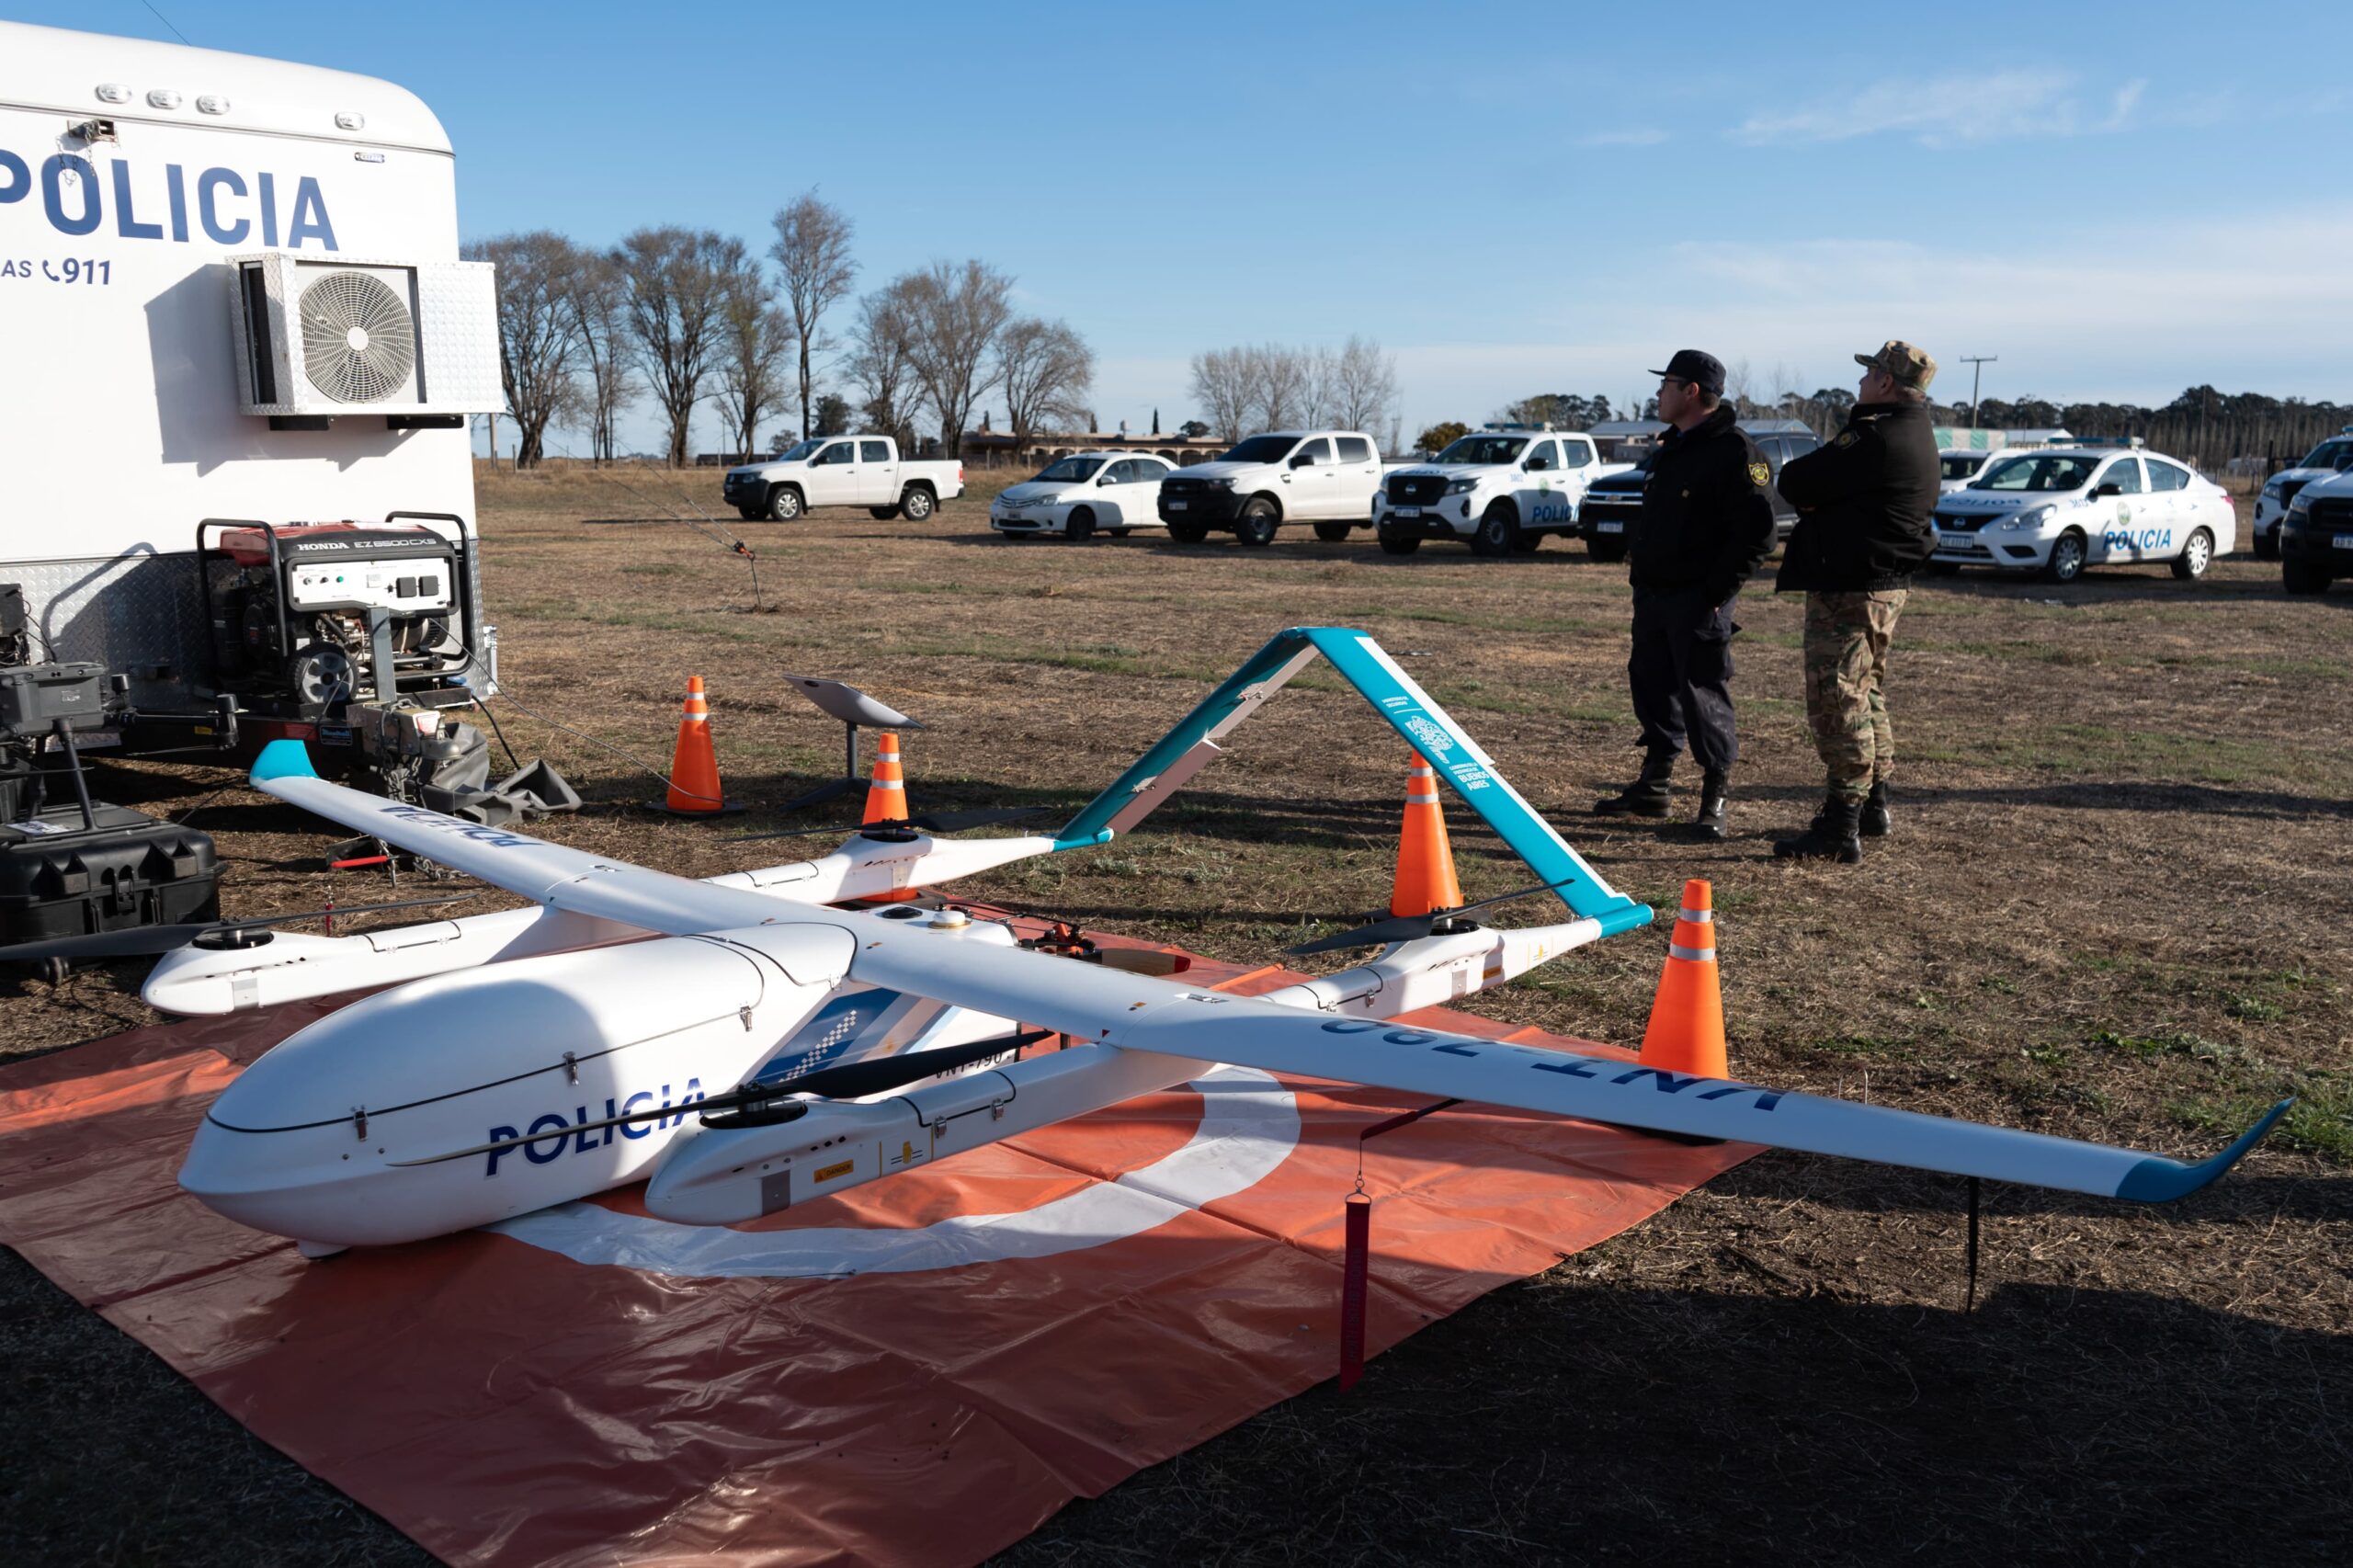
column 1906, row 365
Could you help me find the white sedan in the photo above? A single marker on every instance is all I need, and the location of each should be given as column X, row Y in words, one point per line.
column 2058, row 509
column 1083, row 494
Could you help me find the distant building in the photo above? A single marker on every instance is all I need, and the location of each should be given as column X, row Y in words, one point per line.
column 1958, row 439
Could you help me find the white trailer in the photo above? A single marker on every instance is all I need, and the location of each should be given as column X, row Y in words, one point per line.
column 233, row 311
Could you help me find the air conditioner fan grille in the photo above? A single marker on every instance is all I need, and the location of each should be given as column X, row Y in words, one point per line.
column 359, row 344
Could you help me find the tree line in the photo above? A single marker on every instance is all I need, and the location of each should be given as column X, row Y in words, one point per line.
column 684, row 316
column 1270, row 387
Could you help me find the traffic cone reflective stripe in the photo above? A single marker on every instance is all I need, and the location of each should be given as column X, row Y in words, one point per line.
column 886, row 796
column 694, row 765
column 1425, row 881
column 1686, row 1033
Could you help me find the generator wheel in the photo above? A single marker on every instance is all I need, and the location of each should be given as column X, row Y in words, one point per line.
column 784, row 505
column 918, row 505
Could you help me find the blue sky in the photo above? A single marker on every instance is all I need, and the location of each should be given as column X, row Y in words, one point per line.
column 2118, row 201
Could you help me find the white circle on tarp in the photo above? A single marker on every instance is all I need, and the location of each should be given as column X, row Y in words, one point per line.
column 1249, row 1126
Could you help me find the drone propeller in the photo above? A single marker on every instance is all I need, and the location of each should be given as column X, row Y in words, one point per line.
column 766, row 1105
column 145, row 941
column 1406, row 927
column 929, row 822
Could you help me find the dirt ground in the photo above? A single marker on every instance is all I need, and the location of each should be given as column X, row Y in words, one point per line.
column 2116, row 906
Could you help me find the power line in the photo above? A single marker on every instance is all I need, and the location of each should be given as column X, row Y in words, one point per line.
column 168, row 22
column 1977, row 363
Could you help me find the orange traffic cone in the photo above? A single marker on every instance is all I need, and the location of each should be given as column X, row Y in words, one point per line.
column 1687, row 1027
column 886, row 798
column 1424, row 860
column 694, row 766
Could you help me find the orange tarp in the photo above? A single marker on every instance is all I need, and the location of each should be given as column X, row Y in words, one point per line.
column 503, row 1403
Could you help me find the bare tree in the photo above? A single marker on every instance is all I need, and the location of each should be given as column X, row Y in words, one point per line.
column 1045, row 369
column 1222, row 391
column 677, row 281
column 1360, row 386
column 755, row 373
column 812, row 250
column 600, row 304
column 954, row 314
column 539, row 332
column 1285, row 385
column 880, row 366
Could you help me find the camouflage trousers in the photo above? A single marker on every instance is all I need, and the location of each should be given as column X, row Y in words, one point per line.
column 1846, row 668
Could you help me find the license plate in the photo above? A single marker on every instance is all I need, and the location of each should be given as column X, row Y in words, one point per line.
column 1404, row 511
column 2344, row 542
column 1955, row 541
column 1178, row 506
column 1609, row 528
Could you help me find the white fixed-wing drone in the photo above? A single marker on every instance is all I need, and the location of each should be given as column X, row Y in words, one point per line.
column 763, row 1050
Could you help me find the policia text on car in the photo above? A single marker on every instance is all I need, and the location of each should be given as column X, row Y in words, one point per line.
column 1706, row 527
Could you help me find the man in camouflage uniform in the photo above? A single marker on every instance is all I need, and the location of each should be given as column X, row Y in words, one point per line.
column 1864, row 504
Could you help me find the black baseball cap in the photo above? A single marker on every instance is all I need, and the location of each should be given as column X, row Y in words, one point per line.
column 1700, row 369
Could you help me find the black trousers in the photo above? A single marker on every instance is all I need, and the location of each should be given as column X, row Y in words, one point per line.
column 1681, row 674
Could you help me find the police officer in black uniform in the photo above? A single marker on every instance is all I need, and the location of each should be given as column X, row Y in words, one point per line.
column 1706, row 527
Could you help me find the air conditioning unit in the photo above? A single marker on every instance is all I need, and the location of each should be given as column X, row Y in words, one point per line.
column 331, row 337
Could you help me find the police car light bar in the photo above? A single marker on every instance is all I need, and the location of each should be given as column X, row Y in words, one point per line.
column 2132, row 442
column 1505, row 424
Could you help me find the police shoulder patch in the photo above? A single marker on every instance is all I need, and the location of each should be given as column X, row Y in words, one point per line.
column 1758, row 474
column 1845, row 439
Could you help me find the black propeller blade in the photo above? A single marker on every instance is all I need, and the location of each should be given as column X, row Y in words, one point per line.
column 149, row 940
column 766, row 1105
column 1405, row 928
column 929, row 822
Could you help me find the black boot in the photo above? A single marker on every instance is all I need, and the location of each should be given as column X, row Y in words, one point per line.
column 1715, row 789
column 1875, row 822
column 1646, row 796
column 1832, row 836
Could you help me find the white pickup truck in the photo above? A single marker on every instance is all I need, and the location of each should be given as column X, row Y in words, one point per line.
column 843, row 470
column 1497, row 490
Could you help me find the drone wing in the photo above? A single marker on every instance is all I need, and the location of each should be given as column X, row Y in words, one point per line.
column 1145, row 1013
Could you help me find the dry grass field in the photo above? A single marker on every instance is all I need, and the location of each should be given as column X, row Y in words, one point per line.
column 2117, row 905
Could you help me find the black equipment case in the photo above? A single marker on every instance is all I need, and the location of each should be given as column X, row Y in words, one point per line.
column 60, row 878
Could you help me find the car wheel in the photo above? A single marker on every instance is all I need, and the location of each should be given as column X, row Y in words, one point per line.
column 784, row 504
column 881, row 514
column 1497, row 525
column 1081, row 527
column 916, row 505
column 2302, row 577
column 749, row 514
column 2196, row 554
column 1526, row 542
column 1332, row 533
column 2066, row 562
column 2267, row 544
column 1188, row 533
column 1395, row 543
column 1605, row 549
column 1256, row 527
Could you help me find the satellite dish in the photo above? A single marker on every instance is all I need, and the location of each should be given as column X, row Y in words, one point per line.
column 359, row 344
column 850, row 705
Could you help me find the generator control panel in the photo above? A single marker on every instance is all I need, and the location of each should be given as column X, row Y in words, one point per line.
column 369, row 585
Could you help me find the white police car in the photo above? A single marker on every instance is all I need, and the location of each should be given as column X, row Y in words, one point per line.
column 2316, row 540
column 2058, row 509
column 1957, row 465
column 1083, row 494
column 2331, row 458
column 1497, row 490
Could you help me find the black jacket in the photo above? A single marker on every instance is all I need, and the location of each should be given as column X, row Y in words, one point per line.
column 1864, row 504
column 1706, row 521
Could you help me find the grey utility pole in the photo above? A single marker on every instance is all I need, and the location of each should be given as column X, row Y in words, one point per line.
column 1977, row 363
